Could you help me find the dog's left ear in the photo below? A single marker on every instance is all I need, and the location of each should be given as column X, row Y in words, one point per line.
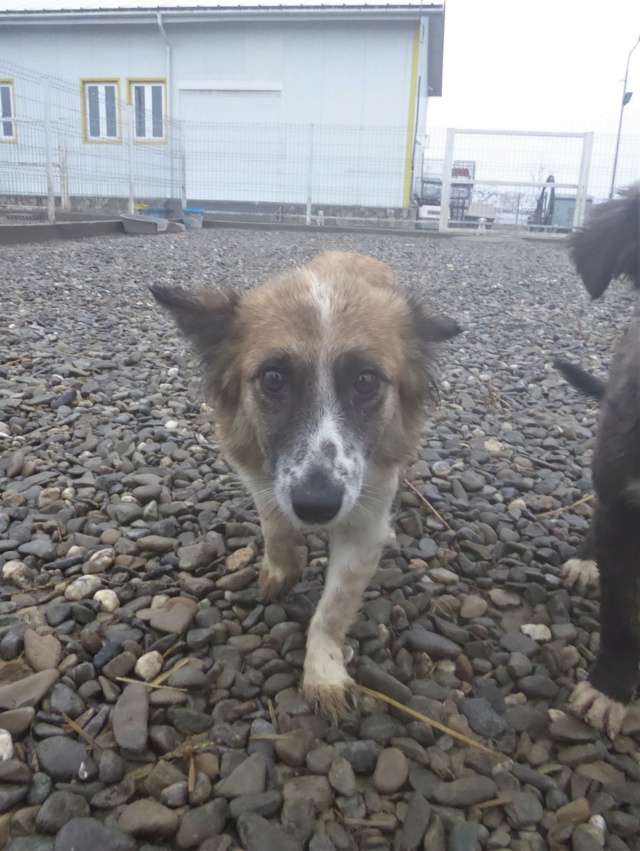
column 204, row 317
column 432, row 327
column 609, row 245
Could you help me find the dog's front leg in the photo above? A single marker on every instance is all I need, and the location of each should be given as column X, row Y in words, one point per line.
column 326, row 684
column 280, row 567
column 354, row 557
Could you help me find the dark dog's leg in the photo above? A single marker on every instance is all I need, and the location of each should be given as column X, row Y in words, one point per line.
column 582, row 569
column 604, row 698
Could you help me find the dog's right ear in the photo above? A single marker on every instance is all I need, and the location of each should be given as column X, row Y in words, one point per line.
column 609, row 246
column 205, row 317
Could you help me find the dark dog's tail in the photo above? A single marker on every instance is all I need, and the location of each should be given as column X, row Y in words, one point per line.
column 609, row 245
column 582, row 380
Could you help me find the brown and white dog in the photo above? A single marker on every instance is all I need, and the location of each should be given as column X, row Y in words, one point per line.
column 318, row 380
column 608, row 248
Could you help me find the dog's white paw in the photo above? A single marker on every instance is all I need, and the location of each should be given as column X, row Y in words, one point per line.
column 583, row 573
column 597, row 709
column 327, row 687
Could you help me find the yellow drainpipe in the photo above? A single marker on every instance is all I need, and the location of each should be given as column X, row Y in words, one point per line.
column 411, row 123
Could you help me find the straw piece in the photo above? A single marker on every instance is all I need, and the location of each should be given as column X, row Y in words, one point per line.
column 427, row 503
column 442, row 727
column 149, row 685
column 82, row 733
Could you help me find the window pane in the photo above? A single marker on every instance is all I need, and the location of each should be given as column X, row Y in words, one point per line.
column 140, row 118
column 93, row 104
column 156, row 110
column 5, row 102
column 110, row 104
column 6, row 127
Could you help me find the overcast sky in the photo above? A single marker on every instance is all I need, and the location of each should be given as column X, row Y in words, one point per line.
column 539, row 64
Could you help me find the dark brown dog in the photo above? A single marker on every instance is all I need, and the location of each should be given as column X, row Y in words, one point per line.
column 608, row 248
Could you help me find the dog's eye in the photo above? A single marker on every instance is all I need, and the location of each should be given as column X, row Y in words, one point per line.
column 367, row 383
column 272, row 381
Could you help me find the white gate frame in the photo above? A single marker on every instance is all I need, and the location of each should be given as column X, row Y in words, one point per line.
column 580, row 187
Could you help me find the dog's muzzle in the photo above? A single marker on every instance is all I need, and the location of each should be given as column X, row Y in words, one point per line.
column 317, row 499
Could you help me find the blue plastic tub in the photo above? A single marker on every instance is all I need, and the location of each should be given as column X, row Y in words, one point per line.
column 193, row 217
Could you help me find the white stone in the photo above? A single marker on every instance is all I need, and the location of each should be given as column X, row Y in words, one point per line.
column 75, row 550
column 171, row 425
column 493, row 445
column 108, row 599
column 100, row 561
column 13, row 567
column 47, row 496
column 82, row 587
column 6, row 745
column 536, row 631
column 504, row 599
column 443, row 576
column 159, row 600
column 149, row 665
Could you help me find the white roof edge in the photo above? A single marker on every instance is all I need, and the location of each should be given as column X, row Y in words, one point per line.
column 237, row 11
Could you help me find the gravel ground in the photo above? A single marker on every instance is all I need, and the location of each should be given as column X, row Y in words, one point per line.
column 129, row 554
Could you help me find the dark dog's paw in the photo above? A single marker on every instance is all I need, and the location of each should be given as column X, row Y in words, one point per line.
column 581, row 573
column 597, row 709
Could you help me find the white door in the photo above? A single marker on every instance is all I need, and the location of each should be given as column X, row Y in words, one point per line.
column 234, row 144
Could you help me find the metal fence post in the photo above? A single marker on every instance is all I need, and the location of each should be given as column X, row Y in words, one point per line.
column 583, row 181
column 64, row 172
column 48, row 146
column 445, row 193
column 130, row 206
column 310, row 175
column 183, row 166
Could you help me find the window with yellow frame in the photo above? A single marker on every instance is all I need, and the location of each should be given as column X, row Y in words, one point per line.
column 101, row 110
column 148, row 98
column 8, row 131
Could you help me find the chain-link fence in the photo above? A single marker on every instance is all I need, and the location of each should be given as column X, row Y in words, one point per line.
column 108, row 146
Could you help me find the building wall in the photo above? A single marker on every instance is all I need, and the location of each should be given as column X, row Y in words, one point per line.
column 351, row 80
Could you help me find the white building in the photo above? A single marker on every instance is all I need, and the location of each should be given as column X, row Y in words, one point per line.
column 271, row 102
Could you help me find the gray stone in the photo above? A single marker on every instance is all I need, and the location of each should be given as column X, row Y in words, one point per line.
column 362, row 755
column 248, row 778
column 391, row 772
column 81, row 834
column 415, row 822
column 436, row 646
column 265, row 804
column 482, row 718
column 376, row 678
column 130, row 718
column 342, row 777
column 464, row 836
column 202, row 823
column 524, row 810
column 60, row 757
column 27, row 691
column 257, row 834
column 11, row 794
column 466, row 791
column 66, row 701
column 58, row 809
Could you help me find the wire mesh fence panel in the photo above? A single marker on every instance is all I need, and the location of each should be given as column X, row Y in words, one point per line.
column 109, row 146
column 541, row 181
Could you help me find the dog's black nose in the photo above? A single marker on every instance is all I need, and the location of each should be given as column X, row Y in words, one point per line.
column 317, row 498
